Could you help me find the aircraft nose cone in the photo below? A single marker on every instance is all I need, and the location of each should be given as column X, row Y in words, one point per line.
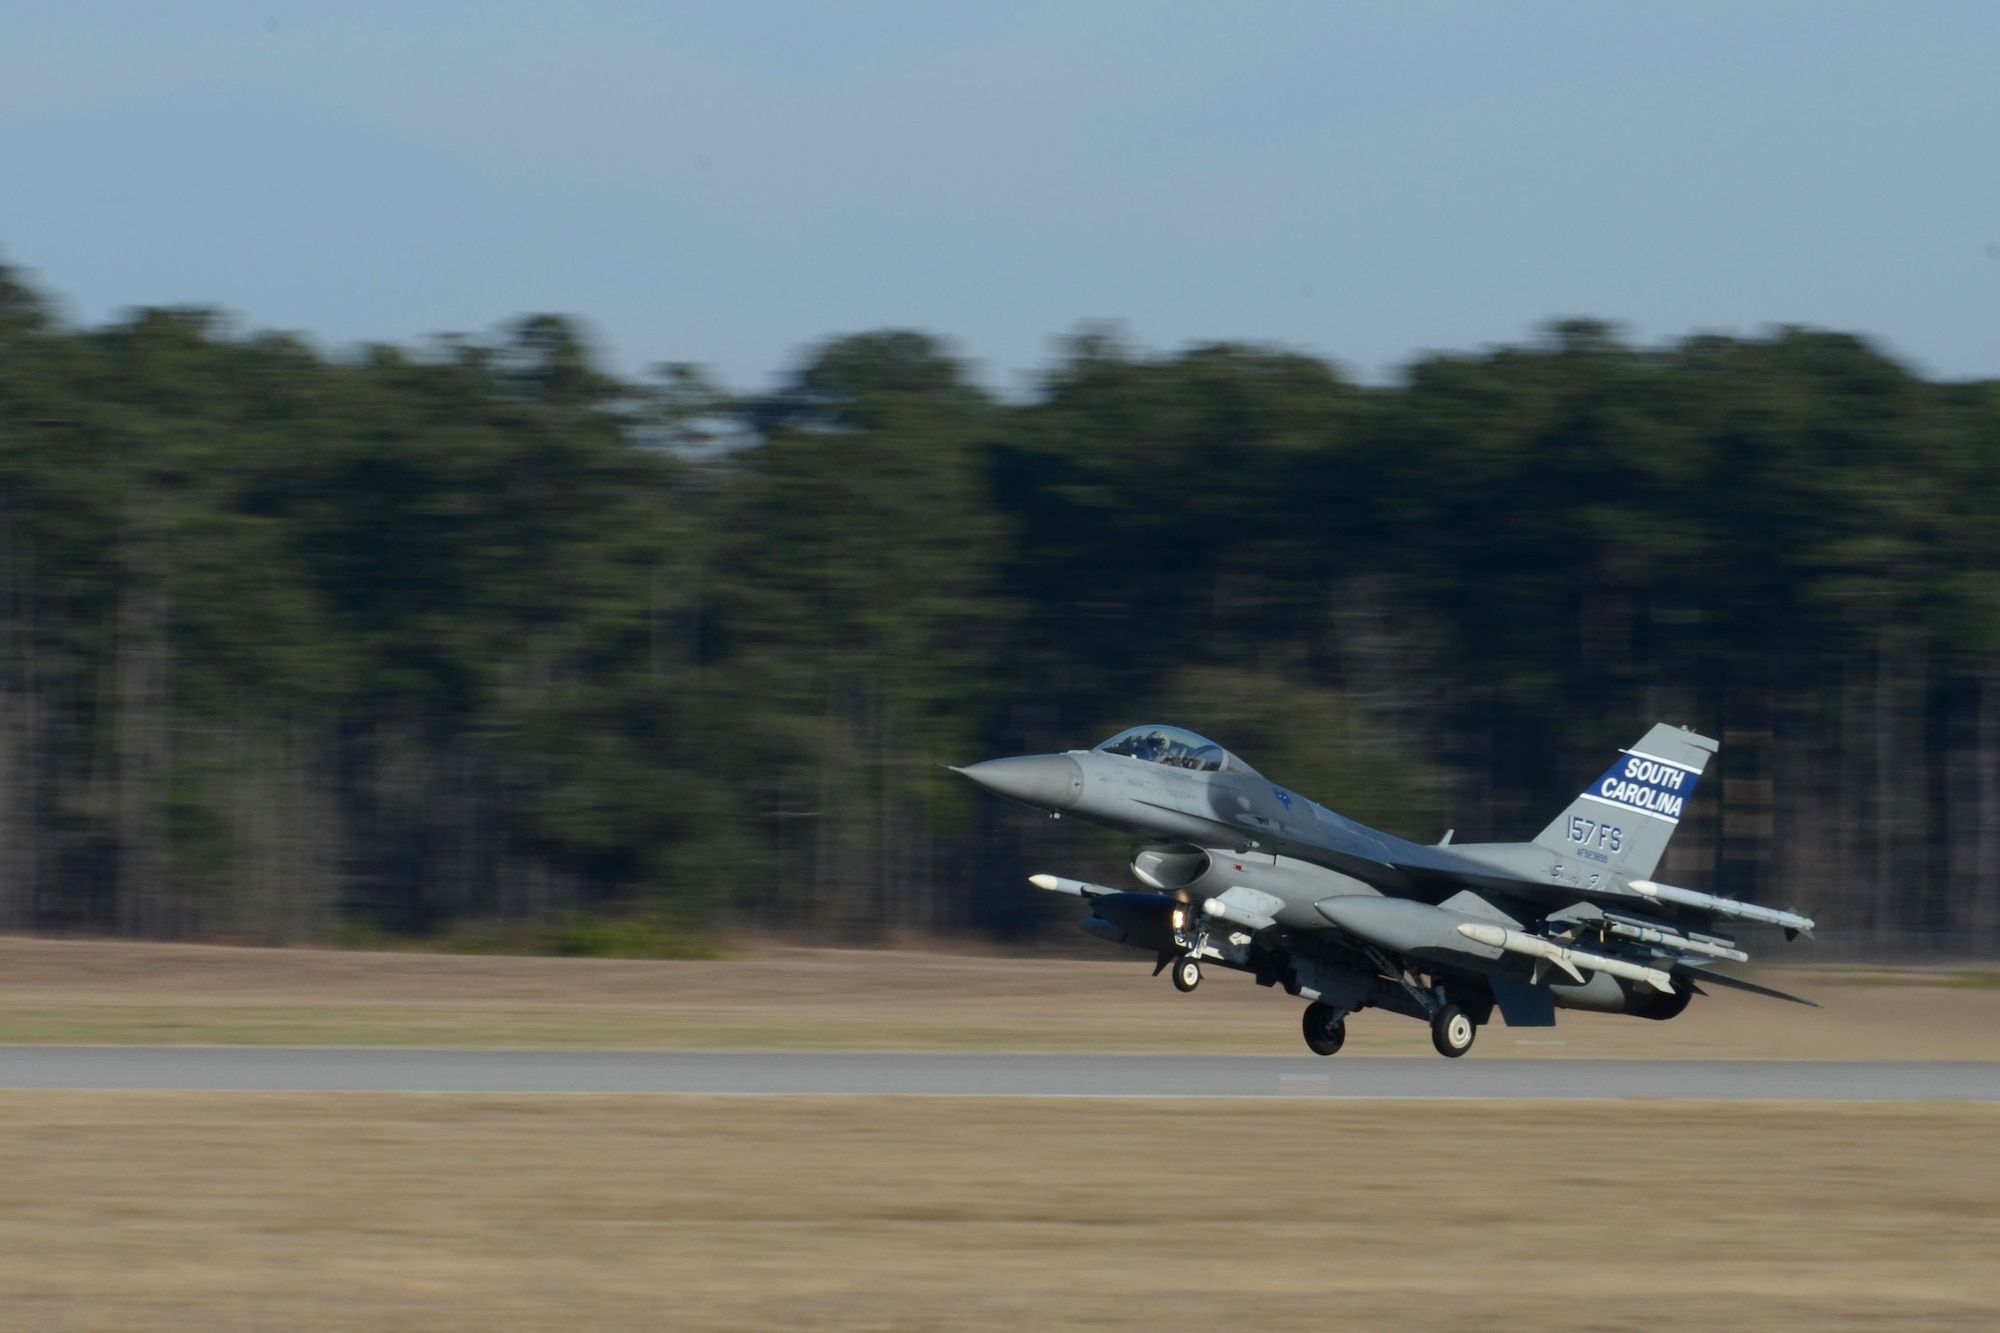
column 1046, row 781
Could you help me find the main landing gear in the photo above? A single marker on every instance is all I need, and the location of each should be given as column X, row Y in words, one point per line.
column 1452, row 1032
column 1452, row 1029
column 1325, row 1028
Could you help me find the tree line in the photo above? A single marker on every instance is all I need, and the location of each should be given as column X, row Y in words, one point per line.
column 476, row 639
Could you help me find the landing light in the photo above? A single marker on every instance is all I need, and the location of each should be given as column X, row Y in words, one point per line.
column 1180, row 917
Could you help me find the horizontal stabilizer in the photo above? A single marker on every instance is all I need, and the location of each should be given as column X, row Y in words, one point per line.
column 1738, row 983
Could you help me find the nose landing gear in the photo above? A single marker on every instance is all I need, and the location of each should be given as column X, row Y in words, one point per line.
column 1193, row 937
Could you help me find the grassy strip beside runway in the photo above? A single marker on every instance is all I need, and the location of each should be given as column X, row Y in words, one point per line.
column 107, row 993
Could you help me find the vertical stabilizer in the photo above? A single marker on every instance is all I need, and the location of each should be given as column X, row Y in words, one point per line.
column 1623, row 820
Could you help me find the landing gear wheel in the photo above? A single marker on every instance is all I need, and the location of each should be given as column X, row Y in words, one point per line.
column 1325, row 1027
column 1452, row 1032
column 1187, row 973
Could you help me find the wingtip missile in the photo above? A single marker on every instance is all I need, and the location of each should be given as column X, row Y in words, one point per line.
column 1791, row 922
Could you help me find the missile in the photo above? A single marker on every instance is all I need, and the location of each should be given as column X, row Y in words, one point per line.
column 1076, row 888
column 1667, row 939
column 1569, row 960
column 1770, row 916
column 1671, row 933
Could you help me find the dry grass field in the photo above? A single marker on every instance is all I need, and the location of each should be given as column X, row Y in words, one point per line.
column 370, row 1212
column 121, row 993
column 365, row 1211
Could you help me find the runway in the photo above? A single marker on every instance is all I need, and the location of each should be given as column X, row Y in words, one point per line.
column 968, row 1074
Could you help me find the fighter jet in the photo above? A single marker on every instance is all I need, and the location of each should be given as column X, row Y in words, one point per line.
column 1241, row 873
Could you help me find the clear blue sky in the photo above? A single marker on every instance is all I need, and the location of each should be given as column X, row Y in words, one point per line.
column 728, row 183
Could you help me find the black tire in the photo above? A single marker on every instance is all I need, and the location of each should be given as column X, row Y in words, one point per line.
column 1187, row 973
column 1325, row 1028
column 1452, row 1032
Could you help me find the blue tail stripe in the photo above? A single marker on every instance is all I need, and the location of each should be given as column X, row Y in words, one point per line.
column 1648, row 785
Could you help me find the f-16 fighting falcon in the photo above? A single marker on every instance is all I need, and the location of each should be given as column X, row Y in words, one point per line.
column 1241, row 873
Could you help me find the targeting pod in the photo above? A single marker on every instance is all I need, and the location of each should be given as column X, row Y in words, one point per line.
column 1248, row 908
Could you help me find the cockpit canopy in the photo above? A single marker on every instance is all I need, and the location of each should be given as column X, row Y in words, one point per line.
column 1174, row 747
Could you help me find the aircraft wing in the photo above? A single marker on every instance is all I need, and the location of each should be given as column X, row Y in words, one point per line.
column 1522, row 870
column 1697, row 975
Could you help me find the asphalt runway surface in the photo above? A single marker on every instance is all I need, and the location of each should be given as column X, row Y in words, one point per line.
column 969, row 1074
